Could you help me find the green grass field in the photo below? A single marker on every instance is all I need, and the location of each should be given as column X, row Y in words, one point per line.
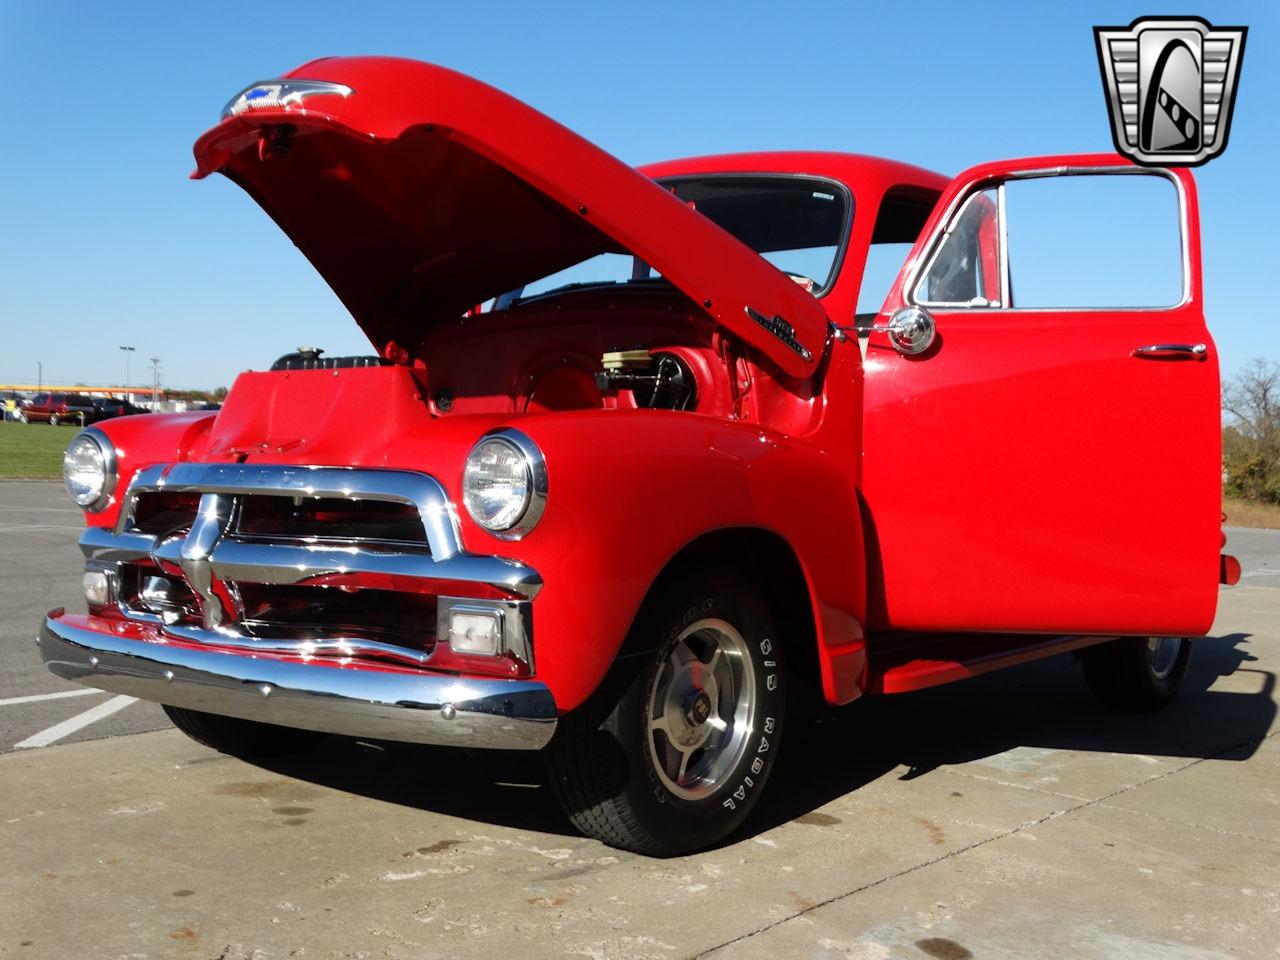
column 33, row 449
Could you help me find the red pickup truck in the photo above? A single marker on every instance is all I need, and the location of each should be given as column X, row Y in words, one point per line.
column 668, row 475
column 56, row 408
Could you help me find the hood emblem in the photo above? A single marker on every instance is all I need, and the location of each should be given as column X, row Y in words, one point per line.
column 782, row 330
column 280, row 93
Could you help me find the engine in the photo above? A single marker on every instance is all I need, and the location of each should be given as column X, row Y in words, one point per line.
column 657, row 381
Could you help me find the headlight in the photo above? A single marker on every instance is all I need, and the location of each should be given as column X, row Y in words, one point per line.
column 89, row 469
column 504, row 485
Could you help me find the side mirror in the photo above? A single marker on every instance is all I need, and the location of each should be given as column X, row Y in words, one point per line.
column 910, row 330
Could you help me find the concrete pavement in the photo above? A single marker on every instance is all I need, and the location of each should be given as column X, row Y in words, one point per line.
column 1004, row 817
column 40, row 568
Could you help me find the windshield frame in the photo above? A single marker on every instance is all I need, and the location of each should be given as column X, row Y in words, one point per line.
column 839, row 187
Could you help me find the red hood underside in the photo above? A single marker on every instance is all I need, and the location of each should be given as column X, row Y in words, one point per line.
column 424, row 193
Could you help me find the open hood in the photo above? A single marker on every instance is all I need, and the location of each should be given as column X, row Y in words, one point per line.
column 418, row 193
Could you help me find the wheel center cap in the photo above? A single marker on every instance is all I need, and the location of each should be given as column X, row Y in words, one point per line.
column 697, row 707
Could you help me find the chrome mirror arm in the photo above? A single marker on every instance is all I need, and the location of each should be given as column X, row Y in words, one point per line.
column 911, row 330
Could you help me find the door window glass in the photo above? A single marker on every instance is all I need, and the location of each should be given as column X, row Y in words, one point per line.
column 965, row 268
column 1093, row 241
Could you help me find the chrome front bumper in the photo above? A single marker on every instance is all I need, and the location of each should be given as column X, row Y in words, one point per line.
column 379, row 704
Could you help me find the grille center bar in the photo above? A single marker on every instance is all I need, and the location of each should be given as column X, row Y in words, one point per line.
column 212, row 518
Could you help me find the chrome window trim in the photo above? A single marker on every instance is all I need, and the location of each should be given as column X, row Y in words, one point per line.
column 920, row 266
column 1002, row 238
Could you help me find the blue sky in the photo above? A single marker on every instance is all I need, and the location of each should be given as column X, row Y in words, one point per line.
column 106, row 242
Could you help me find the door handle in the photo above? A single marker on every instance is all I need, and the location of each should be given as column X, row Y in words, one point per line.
column 1172, row 351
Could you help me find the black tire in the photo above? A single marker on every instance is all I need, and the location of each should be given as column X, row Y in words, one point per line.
column 1129, row 674
column 53, row 420
column 602, row 760
column 241, row 738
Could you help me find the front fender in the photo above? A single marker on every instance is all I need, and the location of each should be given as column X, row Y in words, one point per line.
column 629, row 489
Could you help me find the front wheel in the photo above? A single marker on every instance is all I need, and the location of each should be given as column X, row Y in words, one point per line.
column 674, row 750
column 241, row 738
column 1137, row 674
column 53, row 420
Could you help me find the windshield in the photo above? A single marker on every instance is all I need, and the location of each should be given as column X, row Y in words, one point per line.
column 796, row 223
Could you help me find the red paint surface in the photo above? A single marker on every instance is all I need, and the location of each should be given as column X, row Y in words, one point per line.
column 1031, row 473
column 1026, row 475
column 402, row 196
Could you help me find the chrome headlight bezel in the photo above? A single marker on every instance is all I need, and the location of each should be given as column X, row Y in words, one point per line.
column 534, row 499
column 94, row 499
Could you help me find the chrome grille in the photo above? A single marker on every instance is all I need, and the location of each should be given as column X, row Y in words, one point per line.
column 252, row 527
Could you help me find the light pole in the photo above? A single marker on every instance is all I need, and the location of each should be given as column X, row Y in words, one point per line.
column 127, row 351
column 39, row 375
column 155, row 385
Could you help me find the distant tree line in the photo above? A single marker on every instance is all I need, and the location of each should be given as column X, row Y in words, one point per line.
column 199, row 396
column 1251, row 434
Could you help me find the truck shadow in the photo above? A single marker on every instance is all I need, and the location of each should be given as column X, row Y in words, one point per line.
column 1042, row 705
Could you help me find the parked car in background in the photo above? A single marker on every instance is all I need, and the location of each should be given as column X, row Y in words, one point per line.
column 105, row 408
column 628, row 518
column 56, row 408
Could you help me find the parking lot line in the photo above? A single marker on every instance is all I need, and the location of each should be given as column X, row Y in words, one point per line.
column 28, row 527
column 23, row 508
column 37, row 697
column 78, row 722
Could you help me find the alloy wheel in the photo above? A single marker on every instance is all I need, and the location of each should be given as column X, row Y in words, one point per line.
column 702, row 709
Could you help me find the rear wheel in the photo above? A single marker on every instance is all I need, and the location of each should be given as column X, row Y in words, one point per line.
column 1137, row 674
column 53, row 420
column 674, row 749
column 241, row 738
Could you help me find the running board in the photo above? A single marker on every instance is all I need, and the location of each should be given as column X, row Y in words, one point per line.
column 899, row 664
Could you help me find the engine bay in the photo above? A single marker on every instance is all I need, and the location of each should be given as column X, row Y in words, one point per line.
column 581, row 351
column 585, row 350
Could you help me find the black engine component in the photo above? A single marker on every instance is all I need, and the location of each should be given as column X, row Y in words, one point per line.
column 308, row 358
column 661, row 381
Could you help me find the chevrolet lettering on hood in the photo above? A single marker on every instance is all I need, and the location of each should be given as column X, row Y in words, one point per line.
column 615, row 481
